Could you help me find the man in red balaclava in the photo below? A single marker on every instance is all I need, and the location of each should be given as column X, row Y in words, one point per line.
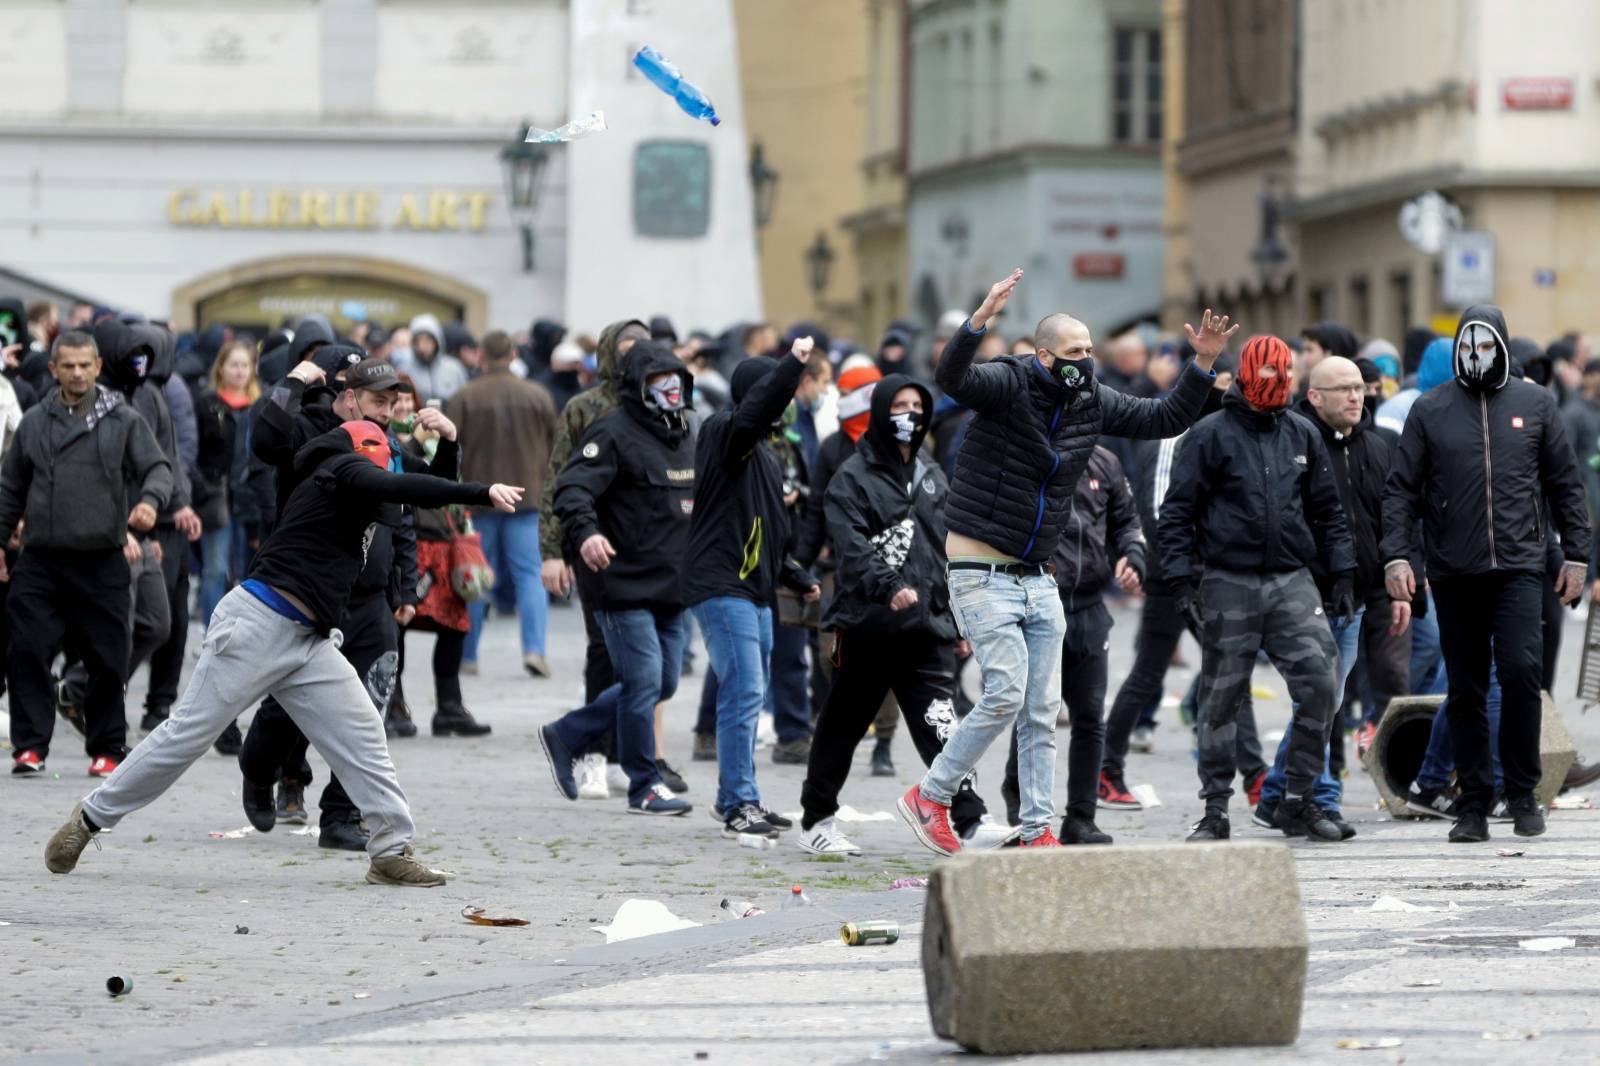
column 1253, row 505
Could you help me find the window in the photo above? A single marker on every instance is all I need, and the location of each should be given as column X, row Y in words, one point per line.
column 1319, row 303
column 1360, row 306
column 1400, row 302
column 671, row 189
column 1136, row 87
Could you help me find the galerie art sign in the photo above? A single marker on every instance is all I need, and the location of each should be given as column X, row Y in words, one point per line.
column 437, row 210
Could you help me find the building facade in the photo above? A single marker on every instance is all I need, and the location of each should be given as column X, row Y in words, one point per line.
column 252, row 161
column 1035, row 136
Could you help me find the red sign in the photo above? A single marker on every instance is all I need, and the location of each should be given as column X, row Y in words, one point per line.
column 1098, row 265
column 1537, row 94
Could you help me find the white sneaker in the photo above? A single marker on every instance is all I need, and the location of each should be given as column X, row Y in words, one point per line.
column 988, row 833
column 766, row 733
column 591, row 774
column 825, row 838
column 616, row 779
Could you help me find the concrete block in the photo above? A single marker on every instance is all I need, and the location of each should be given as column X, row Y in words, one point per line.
column 1402, row 738
column 1079, row 949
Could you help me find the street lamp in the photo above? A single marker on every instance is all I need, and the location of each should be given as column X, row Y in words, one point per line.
column 819, row 261
column 524, row 167
column 1269, row 255
column 764, row 184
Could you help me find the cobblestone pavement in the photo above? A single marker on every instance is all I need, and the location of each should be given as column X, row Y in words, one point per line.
column 333, row 970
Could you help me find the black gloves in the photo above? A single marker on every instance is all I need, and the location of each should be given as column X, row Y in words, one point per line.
column 1186, row 596
column 1342, row 598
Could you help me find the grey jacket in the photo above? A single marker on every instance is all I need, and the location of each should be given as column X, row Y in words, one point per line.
column 69, row 477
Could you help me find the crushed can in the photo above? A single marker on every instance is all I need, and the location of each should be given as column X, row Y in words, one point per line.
column 858, row 934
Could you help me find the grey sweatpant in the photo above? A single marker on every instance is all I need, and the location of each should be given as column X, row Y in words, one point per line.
column 250, row 651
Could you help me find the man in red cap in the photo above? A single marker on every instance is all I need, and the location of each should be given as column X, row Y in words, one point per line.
column 273, row 634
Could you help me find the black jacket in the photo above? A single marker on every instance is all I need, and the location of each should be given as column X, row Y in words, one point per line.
column 1030, row 439
column 1252, row 491
column 813, row 535
column 631, row 479
column 1360, row 464
column 1102, row 527
column 1478, row 467
column 128, row 356
column 886, row 523
column 739, row 534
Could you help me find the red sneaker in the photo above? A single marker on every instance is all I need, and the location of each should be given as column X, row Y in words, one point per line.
column 930, row 822
column 1047, row 840
column 27, row 762
column 1253, row 789
column 1364, row 738
column 103, row 766
column 1113, row 795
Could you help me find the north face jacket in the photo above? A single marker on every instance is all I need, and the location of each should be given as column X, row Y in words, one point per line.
column 1102, row 527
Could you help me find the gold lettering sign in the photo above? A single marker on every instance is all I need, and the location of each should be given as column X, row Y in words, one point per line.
column 434, row 211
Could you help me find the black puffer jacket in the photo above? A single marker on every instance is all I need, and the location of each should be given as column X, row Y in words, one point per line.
column 1360, row 464
column 1104, row 520
column 1478, row 467
column 1030, row 439
column 631, row 479
column 1252, row 491
column 886, row 523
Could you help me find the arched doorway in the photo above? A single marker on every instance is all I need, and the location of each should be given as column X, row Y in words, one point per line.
column 261, row 293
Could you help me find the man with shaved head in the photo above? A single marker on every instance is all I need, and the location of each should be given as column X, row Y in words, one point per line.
column 1036, row 420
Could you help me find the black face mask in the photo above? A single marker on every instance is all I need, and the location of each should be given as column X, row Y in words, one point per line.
column 907, row 426
column 1076, row 375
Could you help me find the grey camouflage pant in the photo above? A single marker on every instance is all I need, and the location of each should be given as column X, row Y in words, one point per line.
column 1280, row 614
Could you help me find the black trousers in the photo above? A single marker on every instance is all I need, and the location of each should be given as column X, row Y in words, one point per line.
column 919, row 669
column 166, row 662
column 150, row 625
column 447, row 651
column 275, row 748
column 1498, row 617
column 1084, row 657
column 1160, row 629
column 81, row 596
column 1387, row 658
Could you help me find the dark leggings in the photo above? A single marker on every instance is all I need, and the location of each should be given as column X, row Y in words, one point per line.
column 447, row 651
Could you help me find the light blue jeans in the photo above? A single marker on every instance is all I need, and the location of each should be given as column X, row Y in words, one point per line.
column 511, row 544
column 1328, row 791
column 738, row 635
column 1015, row 626
column 216, row 558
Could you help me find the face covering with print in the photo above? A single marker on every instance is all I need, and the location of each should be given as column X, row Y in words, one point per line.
column 1480, row 357
column 1264, row 372
column 1076, row 374
column 906, row 426
column 668, row 394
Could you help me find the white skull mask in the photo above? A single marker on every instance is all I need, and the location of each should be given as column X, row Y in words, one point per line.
column 1481, row 358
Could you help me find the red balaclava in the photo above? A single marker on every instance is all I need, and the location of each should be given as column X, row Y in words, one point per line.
column 855, row 399
column 369, row 439
column 1264, row 372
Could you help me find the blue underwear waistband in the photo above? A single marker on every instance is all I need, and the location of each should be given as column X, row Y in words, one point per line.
column 276, row 600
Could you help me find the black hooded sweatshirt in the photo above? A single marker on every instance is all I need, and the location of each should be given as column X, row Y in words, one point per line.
column 739, row 535
column 128, row 357
column 886, row 522
column 631, row 479
column 275, row 364
column 341, row 499
column 1477, row 463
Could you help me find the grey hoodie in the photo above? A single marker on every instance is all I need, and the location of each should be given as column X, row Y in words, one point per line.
column 438, row 378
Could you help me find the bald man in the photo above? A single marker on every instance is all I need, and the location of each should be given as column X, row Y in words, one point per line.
column 1246, row 547
column 1036, row 420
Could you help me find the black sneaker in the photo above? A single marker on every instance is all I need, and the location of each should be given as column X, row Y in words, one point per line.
column 1297, row 818
column 772, row 818
column 230, row 743
column 1499, row 810
column 559, row 756
column 1264, row 814
column 660, row 800
column 1527, row 817
column 1431, row 802
column 670, row 776
column 882, row 764
column 291, row 803
column 1077, row 830
column 747, row 821
column 1346, row 830
column 1214, row 826
column 259, row 806
column 451, row 719
column 343, row 835
column 1472, row 827
column 151, row 720
column 398, row 723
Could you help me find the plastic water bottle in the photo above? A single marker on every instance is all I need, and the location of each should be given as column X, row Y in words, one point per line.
column 797, row 898
column 666, row 77
column 741, row 908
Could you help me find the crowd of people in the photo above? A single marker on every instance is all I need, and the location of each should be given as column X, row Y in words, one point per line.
column 851, row 532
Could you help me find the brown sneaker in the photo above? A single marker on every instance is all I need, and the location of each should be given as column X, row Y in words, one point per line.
column 402, row 870
column 61, row 854
column 536, row 664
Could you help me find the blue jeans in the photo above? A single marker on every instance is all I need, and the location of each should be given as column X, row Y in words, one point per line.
column 1439, row 764
column 216, row 551
column 1328, row 791
column 511, row 544
column 1428, row 676
column 789, row 695
column 738, row 635
column 1015, row 626
column 647, row 648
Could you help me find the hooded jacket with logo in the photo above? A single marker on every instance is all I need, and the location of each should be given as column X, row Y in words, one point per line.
column 1252, row 491
column 128, row 355
column 1104, row 519
column 886, row 524
column 632, row 480
column 1478, row 465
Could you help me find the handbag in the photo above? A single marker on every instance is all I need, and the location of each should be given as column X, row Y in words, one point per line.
column 471, row 576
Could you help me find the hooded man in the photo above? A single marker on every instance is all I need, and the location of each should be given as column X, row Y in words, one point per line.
column 436, row 373
column 1480, row 459
column 625, row 501
column 273, row 635
column 1238, row 542
column 890, row 614
column 311, row 333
